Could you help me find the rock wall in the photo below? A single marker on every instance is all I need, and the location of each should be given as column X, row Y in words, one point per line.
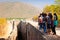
column 28, row 32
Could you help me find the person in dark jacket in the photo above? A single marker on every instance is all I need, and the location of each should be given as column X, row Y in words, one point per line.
column 44, row 22
column 55, row 23
column 49, row 18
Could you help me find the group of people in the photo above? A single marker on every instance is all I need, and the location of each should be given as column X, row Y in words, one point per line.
column 48, row 22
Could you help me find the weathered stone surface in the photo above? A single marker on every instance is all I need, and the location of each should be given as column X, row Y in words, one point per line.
column 28, row 32
column 33, row 33
column 22, row 31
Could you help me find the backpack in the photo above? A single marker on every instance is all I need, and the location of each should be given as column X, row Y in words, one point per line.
column 55, row 20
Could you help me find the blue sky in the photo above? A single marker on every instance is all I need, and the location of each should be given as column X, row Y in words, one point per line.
column 36, row 3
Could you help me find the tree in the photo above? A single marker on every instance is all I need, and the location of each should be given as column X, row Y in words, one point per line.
column 47, row 9
column 57, row 2
column 55, row 8
column 35, row 18
column 52, row 8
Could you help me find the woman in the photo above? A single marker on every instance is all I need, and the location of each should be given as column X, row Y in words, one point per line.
column 40, row 19
column 55, row 23
column 49, row 18
column 44, row 22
